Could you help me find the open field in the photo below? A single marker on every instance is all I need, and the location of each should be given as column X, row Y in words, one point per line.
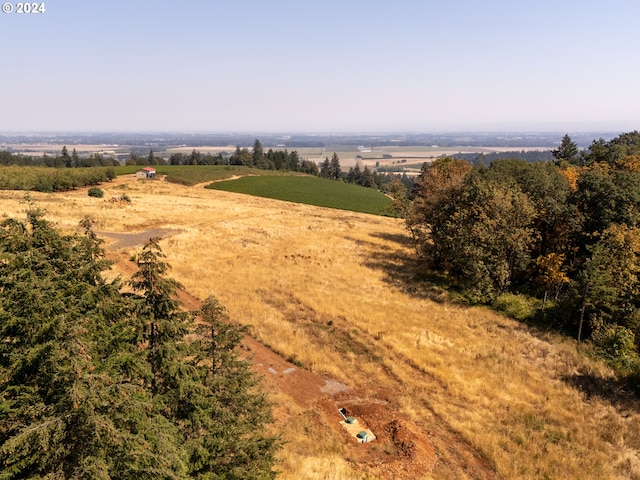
column 204, row 149
column 38, row 149
column 347, row 153
column 309, row 190
column 475, row 394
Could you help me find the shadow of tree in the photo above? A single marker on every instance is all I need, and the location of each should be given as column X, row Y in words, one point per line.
column 404, row 269
column 618, row 392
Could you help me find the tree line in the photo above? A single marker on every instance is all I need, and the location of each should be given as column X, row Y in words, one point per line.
column 487, row 158
column 43, row 179
column 282, row 160
column 256, row 157
column 99, row 383
column 62, row 160
column 365, row 177
column 566, row 231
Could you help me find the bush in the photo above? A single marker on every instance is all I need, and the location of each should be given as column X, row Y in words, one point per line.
column 519, row 307
column 96, row 192
column 46, row 179
column 616, row 346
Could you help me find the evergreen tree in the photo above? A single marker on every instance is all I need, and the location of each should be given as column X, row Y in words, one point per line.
column 331, row 168
column 194, row 158
column 168, row 325
column 335, row 172
column 368, row 178
column 567, row 152
column 177, row 159
column 354, row 175
column 66, row 158
column 75, row 159
column 230, row 410
column 72, row 406
column 202, row 386
column 241, row 156
column 325, row 168
column 99, row 384
column 258, row 153
column 309, row 167
column 294, row 161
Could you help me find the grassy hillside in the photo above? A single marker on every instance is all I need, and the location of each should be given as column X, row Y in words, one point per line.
column 309, row 190
column 334, row 292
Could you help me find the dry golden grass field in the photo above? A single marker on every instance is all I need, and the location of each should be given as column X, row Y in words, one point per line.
column 451, row 392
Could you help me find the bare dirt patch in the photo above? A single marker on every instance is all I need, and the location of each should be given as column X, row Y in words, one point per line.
column 132, row 240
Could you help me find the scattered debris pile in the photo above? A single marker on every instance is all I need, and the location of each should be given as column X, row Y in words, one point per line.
column 401, row 438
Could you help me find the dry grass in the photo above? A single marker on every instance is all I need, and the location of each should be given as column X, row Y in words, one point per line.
column 327, row 287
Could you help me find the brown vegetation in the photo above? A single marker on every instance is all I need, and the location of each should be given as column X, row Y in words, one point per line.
column 450, row 392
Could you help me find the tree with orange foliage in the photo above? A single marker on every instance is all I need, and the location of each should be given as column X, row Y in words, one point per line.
column 550, row 274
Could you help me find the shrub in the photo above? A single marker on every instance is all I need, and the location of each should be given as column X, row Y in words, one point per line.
column 519, row 307
column 617, row 347
column 44, row 184
column 96, row 192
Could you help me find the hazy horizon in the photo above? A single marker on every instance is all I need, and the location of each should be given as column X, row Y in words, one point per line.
column 339, row 67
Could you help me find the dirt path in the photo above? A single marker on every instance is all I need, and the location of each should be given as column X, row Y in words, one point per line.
column 132, row 240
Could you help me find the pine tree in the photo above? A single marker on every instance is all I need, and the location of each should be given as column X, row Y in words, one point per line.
column 335, row 171
column 75, row 158
column 567, row 152
column 72, row 404
column 354, row 175
column 168, row 325
column 294, row 161
column 258, row 154
column 202, row 386
column 232, row 412
column 325, row 168
column 99, row 384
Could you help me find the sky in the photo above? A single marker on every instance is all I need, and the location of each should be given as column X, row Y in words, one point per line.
column 321, row 66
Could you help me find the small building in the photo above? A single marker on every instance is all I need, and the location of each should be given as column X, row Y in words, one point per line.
column 146, row 172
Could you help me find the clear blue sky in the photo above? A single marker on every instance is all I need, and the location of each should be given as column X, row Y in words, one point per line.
column 324, row 66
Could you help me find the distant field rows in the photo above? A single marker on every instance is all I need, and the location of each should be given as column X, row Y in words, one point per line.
column 346, row 153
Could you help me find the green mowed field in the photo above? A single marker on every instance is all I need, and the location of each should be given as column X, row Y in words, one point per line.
column 310, row 190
